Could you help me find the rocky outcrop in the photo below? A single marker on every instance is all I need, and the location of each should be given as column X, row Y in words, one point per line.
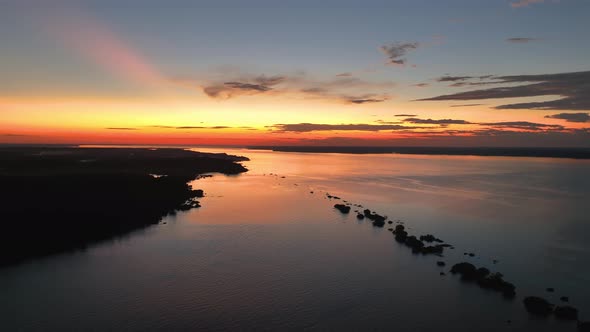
column 566, row 312
column 538, row 306
column 342, row 208
column 484, row 278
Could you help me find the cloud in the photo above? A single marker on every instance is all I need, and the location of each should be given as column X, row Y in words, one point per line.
column 324, row 93
column 524, row 3
column 344, row 88
column 461, row 81
column 462, row 84
column 574, row 89
column 571, row 117
column 202, row 127
column 521, row 40
column 348, row 90
column 253, row 85
column 448, row 78
column 406, row 115
column 197, row 127
column 269, row 80
column 247, row 86
column 466, row 105
column 388, row 122
column 308, row 127
column 366, row 99
column 480, row 138
column 421, row 85
column 121, row 128
column 525, row 125
column 520, row 125
column 443, row 122
column 344, row 75
column 396, row 52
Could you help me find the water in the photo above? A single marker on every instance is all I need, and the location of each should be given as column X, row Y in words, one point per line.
column 264, row 253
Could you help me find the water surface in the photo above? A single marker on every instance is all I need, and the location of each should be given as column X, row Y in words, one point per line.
column 265, row 253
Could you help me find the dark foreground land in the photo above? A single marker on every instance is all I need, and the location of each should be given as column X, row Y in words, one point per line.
column 59, row 199
column 575, row 153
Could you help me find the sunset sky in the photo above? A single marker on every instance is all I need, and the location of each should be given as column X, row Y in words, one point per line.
column 338, row 72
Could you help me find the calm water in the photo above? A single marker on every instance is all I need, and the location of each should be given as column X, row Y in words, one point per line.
column 263, row 253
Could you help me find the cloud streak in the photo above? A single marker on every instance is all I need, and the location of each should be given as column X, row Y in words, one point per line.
column 309, row 127
column 521, row 40
column 344, row 88
column 396, row 52
column 524, row 125
column 573, row 88
column 524, row 3
column 199, row 127
column 444, row 122
column 466, row 105
column 570, row 117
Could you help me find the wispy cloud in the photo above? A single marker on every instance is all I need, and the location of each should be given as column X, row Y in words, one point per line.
column 521, row 40
column 571, row 117
column 448, row 78
column 438, row 122
column 198, row 127
column 396, row 52
column 308, row 127
column 519, row 125
column 574, row 89
column 461, row 81
column 486, row 137
column 344, row 88
column 405, row 115
column 524, row 3
column 367, row 99
column 242, row 86
column 466, row 105
column 525, row 125
column 202, row 127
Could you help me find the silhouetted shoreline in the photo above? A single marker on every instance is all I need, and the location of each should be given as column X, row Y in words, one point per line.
column 60, row 199
column 574, row 153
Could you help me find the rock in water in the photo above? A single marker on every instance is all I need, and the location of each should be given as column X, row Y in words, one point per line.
column 342, row 208
column 538, row 306
column 466, row 270
column 584, row 326
column 379, row 223
column 566, row 312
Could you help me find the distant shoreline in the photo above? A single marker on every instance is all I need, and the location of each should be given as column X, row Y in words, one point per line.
column 553, row 152
column 572, row 153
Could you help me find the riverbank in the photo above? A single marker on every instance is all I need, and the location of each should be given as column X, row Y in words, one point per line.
column 61, row 199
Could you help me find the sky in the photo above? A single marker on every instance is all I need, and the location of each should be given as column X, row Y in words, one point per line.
column 333, row 72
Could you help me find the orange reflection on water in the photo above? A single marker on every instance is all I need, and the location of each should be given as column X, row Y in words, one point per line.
column 254, row 199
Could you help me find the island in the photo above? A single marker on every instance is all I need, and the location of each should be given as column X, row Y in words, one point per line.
column 59, row 199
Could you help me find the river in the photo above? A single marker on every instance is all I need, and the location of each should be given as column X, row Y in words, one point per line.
column 267, row 251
